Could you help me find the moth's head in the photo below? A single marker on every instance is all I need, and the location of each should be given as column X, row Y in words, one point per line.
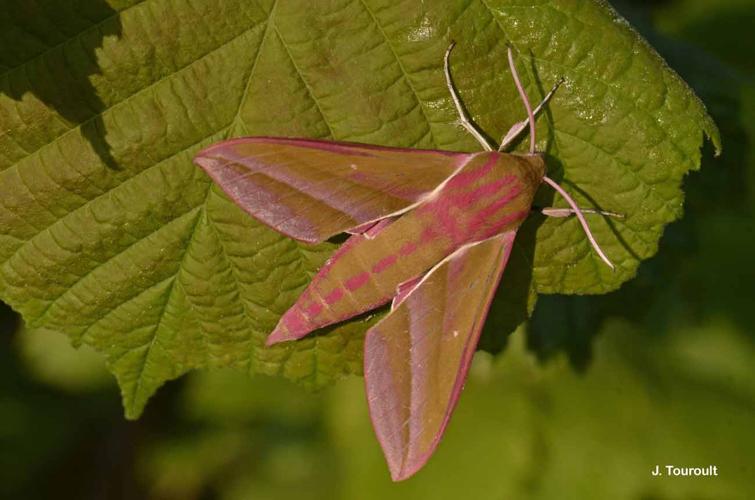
column 536, row 163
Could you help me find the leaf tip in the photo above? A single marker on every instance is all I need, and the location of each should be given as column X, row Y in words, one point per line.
column 715, row 139
column 132, row 410
column 711, row 132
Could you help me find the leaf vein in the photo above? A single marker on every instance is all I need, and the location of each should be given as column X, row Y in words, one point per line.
column 78, row 36
column 245, row 94
column 404, row 72
column 156, row 331
column 306, row 84
column 128, row 99
column 41, row 316
column 105, row 193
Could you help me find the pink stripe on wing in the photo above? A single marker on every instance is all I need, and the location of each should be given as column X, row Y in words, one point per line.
column 313, row 309
column 408, row 249
column 358, row 281
column 473, row 174
column 384, row 263
column 334, row 296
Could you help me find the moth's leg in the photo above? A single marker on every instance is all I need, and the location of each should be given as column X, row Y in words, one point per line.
column 371, row 229
column 568, row 212
column 464, row 119
column 404, row 289
column 518, row 127
column 578, row 212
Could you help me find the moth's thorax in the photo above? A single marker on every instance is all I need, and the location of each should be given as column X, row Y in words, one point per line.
column 533, row 165
column 490, row 194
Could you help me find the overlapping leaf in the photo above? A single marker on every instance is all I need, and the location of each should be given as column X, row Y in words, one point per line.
column 109, row 233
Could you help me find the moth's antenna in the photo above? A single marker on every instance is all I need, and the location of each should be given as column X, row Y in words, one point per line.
column 518, row 127
column 464, row 119
column 581, row 217
column 525, row 100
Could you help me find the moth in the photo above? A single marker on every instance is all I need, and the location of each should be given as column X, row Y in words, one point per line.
column 431, row 233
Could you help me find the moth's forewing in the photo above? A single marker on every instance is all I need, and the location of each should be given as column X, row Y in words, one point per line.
column 312, row 190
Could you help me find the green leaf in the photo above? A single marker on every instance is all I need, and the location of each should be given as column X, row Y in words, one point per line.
column 109, row 234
